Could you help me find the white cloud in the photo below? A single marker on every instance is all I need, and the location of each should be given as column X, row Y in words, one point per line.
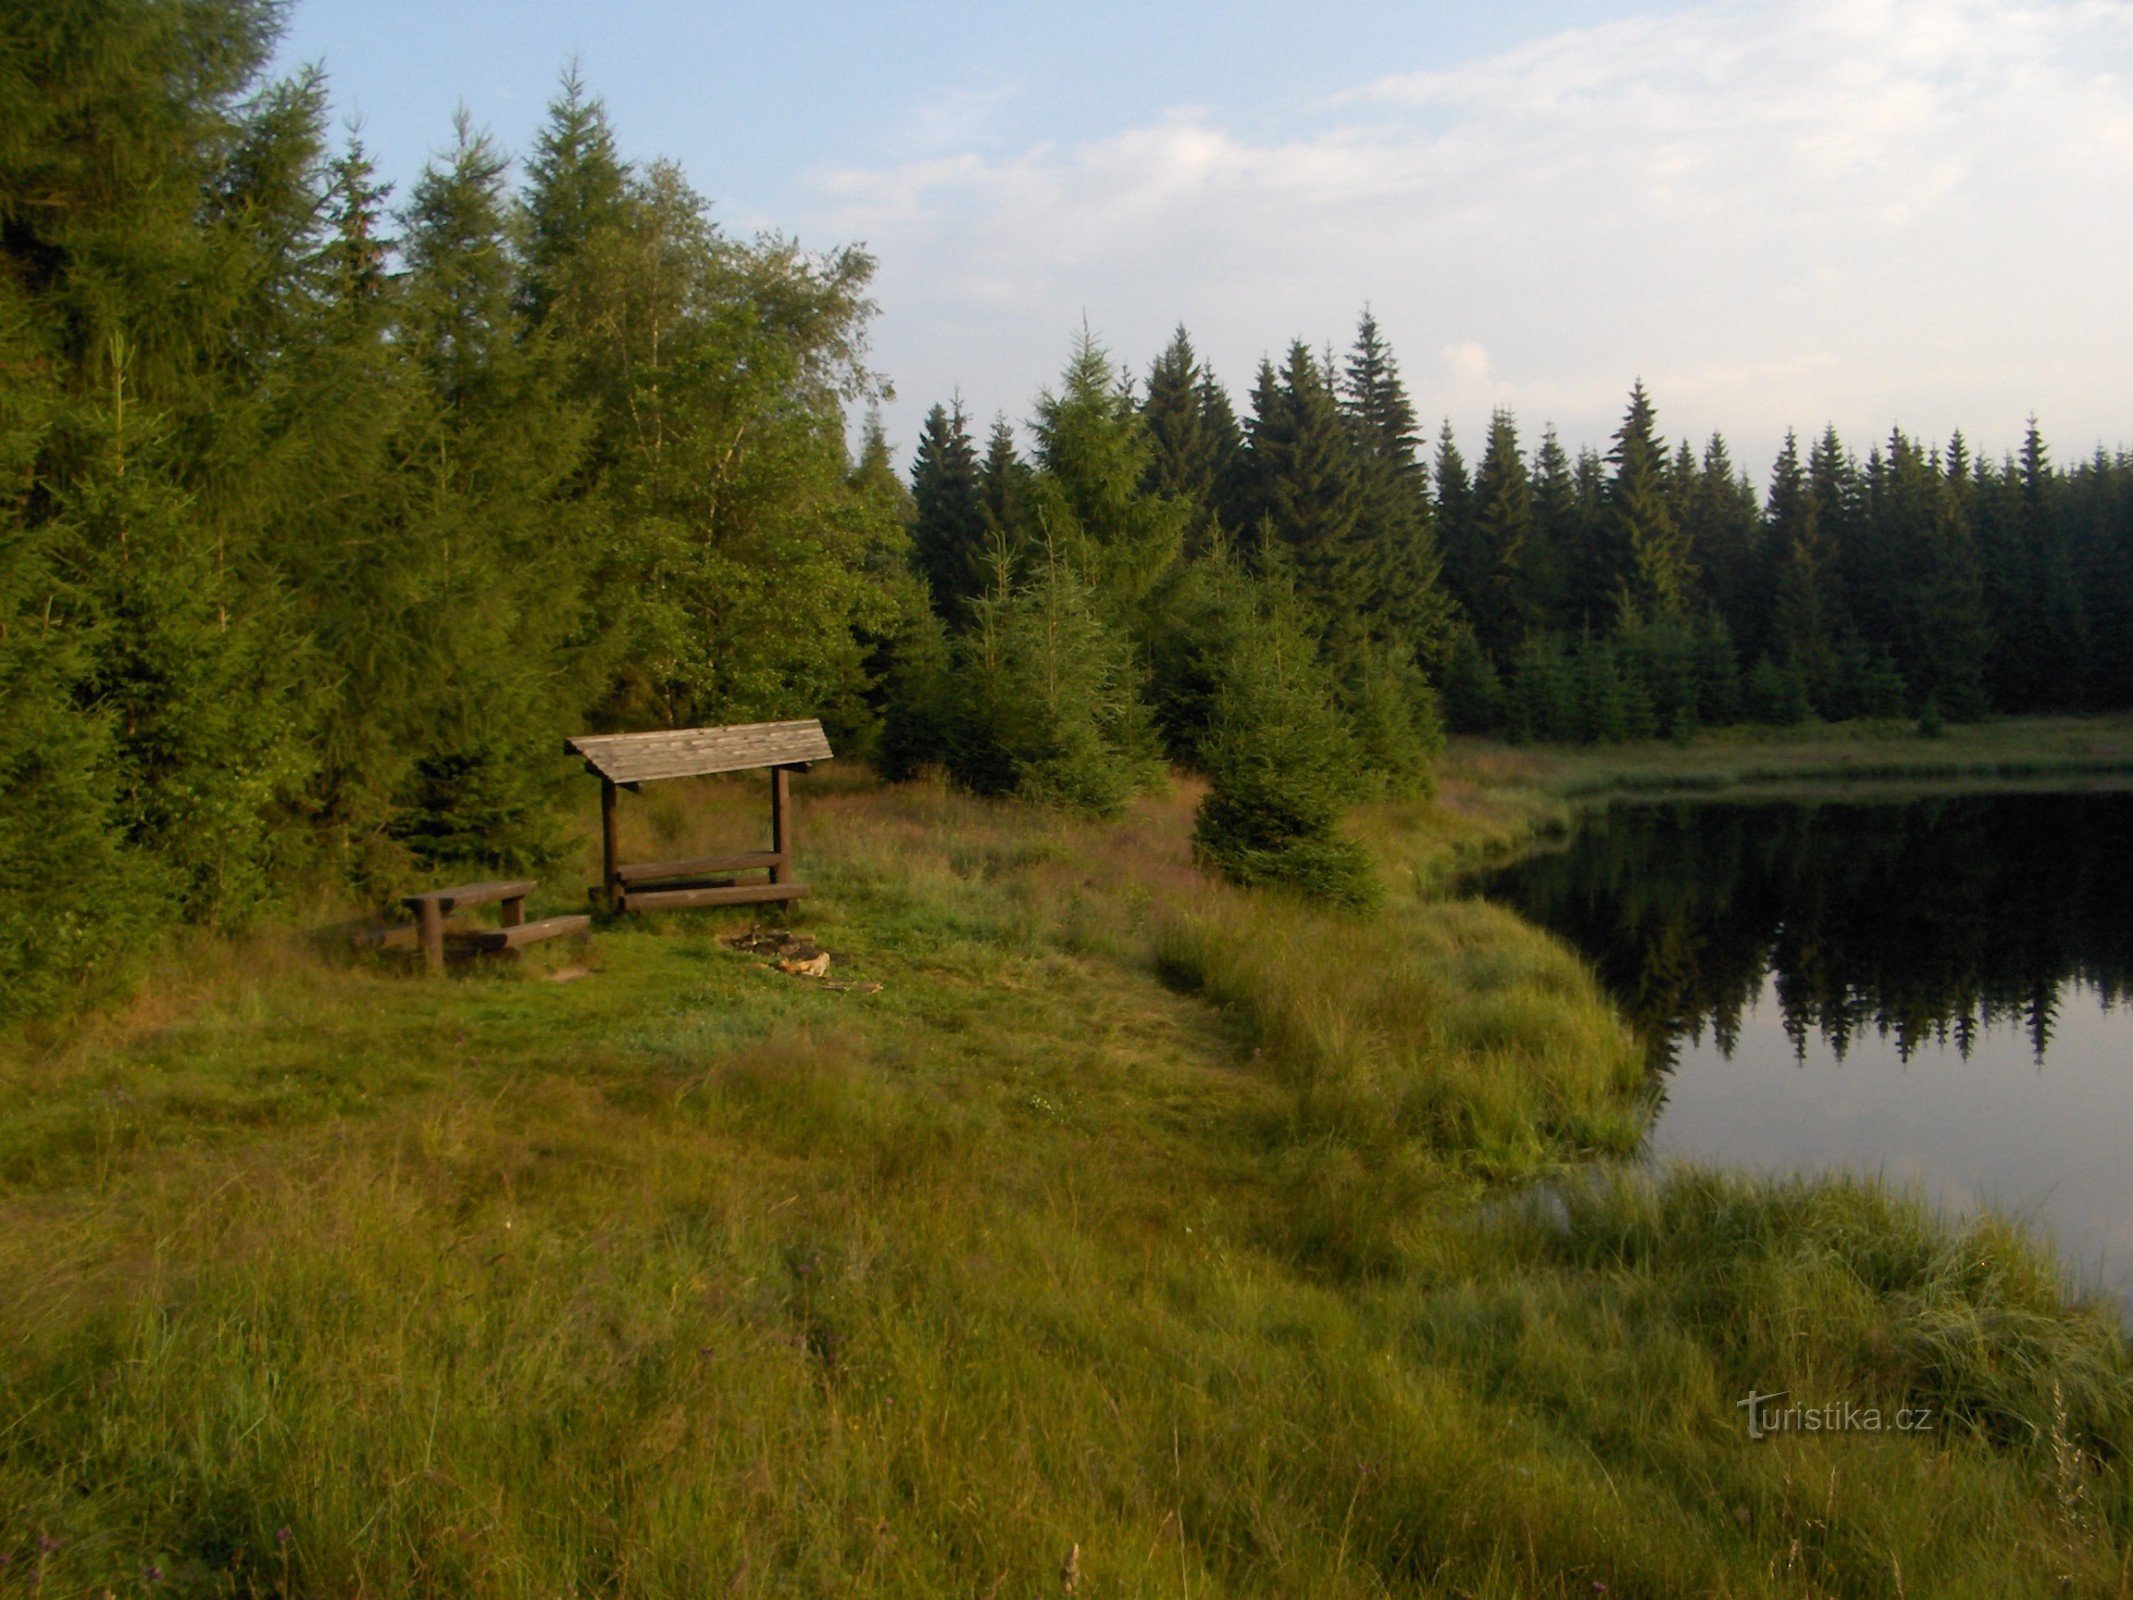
column 1866, row 211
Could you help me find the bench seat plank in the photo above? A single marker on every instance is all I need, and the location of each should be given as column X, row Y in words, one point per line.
column 740, row 894
column 398, row 935
column 472, row 894
column 524, row 933
column 698, row 866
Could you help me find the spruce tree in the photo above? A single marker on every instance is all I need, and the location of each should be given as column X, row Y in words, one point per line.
column 1717, row 671
column 1279, row 761
column 1806, row 618
column 356, row 405
column 2099, row 523
column 77, row 894
column 1395, row 718
column 1612, row 702
column 1867, row 574
column 1942, row 639
column 1543, row 695
column 2063, row 656
column 1725, row 539
column 857, row 715
column 922, row 716
column 948, row 532
column 577, row 197
column 356, row 254
column 1405, row 599
column 1003, row 492
column 1090, row 498
column 1309, row 489
column 1661, row 655
column 1208, row 613
column 1648, row 557
column 1377, row 404
column 2007, row 565
column 1557, row 538
column 1776, row 692
column 1225, row 437
column 1474, row 700
column 1051, row 709
column 1186, row 460
column 1882, row 691
column 1596, row 601
column 1466, row 566
column 493, row 589
column 1505, row 603
column 167, row 258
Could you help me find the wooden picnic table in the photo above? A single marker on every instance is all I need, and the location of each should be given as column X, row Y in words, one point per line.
column 433, row 906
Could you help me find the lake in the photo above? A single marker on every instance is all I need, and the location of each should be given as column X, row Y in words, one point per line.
column 1932, row 989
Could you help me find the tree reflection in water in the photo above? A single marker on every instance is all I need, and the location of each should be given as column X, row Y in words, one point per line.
column 1921, row 920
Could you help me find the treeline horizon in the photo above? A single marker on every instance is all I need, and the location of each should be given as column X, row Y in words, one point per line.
column 1650, row 588
column 326, row 513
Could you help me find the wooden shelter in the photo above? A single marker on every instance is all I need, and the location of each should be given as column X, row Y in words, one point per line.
column 627, row 760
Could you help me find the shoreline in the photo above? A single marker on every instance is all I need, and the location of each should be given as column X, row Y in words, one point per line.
column 1741, row 773
column 2047, row 749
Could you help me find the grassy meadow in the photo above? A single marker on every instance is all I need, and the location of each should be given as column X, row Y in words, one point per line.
column 1135, row 1236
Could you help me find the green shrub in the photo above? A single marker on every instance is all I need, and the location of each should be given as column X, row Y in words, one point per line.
column 920, row 719
column 1197, row 622
column 1777, row 692
column 1394, row 715
column 1281, row 766
column 1049, row 708
column 1474, row 699
column 76, row 895
column 1544, row 700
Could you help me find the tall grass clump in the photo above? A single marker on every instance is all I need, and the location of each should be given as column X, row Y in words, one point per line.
column 1842, row 1286
column 1454, row 1026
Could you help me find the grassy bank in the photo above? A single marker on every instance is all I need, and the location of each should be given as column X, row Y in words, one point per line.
column 1134, row 1237
column 2006, row 750
column 1494, row 799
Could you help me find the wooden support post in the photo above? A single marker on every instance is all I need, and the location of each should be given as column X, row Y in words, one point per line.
column 781, row 825
column 610, row 876
column 513, row 911
column 431, row 916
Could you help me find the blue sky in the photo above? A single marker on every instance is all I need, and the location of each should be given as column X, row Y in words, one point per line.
column 1869, row 212
column 750, row 98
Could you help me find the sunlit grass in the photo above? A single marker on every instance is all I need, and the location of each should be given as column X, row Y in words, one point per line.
column 1130, row 1212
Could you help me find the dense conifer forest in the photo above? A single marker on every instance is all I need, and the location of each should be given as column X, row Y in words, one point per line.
column 327, row 511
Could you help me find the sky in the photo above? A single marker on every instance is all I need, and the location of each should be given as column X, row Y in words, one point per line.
column 1871, row 213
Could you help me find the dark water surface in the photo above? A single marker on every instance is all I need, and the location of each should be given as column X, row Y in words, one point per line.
column 1932, row 989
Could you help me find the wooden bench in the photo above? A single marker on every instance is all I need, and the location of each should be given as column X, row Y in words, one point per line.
column 627, row 760
column 433, row 907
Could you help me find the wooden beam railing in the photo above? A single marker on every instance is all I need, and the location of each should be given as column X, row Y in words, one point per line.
column 696, row 866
